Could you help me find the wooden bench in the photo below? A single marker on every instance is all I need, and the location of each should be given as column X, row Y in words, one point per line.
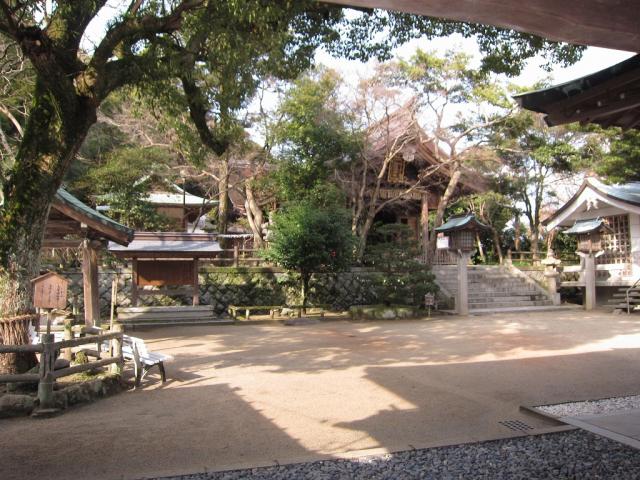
column 233, row 309
column 134, row 348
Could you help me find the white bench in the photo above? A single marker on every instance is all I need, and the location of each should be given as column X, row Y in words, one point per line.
column 134, row 348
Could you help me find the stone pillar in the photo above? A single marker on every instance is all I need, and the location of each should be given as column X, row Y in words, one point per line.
column 552, row 274
column 589, row 276
column 462, row 298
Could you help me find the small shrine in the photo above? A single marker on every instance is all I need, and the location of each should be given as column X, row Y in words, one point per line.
column 72, row 224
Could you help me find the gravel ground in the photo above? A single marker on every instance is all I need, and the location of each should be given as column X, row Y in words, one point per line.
column 592, row 407
column 568, row 455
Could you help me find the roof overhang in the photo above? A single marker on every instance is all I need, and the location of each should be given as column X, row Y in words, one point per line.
column 609, row 24
column 169, row 245
column 582, row 227
column 461, row 222
column 610, row 97
column 103, row 226
column 591, row 191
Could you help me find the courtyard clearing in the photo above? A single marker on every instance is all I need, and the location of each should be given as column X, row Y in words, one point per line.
column 255, row 395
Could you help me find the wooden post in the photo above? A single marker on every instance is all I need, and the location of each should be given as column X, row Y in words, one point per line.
column 236, row 256
column 47, row 361
column 116, row 349
column 68, row 335
column 462, row 298
column 424, row 224
column 196, row 283
column 90, row 283
column 134, row 282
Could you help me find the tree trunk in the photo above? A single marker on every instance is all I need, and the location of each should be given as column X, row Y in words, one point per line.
column 306, row 277
column 254, row 216
column 442, row 206
column 223, row 195
column 480, row 248
column 364, row 234
column 496, row 244
column 49, row 146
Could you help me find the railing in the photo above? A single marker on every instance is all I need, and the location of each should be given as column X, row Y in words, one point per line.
column 637, row 282
column 238, row 257
column 48, row 351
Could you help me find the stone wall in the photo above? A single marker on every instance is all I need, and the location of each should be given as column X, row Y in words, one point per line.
column 221, row 287
column 536, row 274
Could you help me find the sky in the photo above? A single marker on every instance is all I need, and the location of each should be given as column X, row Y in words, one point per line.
column 594, row 59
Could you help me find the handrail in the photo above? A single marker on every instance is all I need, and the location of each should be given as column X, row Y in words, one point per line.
column 627, row 295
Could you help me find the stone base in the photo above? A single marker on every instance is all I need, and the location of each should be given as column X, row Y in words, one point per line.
column 383, row 312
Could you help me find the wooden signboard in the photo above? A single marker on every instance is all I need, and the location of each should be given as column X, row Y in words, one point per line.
column 163, row 273
column 50, row 291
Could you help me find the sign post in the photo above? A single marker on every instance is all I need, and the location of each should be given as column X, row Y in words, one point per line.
column 50, row 291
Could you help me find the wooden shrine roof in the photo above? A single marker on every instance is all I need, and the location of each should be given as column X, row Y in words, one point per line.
column 164, row 245
column 69, row 218
column 610, row 97
column 608, row 24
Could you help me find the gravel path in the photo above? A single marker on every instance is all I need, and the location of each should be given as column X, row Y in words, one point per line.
column 568, row 455
column 592, row 407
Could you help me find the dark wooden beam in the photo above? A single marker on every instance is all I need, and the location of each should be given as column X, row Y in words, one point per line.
column 608, row 24
column 60, row 243
column 609, row 89
column 590, row 114
column 104, row 230
column 90, row 284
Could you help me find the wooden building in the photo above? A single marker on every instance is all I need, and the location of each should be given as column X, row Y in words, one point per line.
column 164, row 260
column 417, row 175
column 618, row 208
column 72, row 224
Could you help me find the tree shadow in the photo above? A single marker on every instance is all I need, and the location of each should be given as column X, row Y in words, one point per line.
column 147, row 433
column 342, row 345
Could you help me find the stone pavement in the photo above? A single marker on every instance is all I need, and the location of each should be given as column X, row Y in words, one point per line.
column 623, row 427
column 254, row 395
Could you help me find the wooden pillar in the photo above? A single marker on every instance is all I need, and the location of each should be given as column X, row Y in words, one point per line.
column 196, row 283
column 424, row 225
column 90, row 283
column 134, row 282
column 462, row 298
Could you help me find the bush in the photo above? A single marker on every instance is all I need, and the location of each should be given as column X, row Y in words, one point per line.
column 403, row 280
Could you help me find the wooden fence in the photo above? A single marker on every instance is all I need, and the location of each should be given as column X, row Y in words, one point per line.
column 48, row 349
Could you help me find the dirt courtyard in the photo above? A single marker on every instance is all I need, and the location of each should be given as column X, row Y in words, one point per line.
column 254, row 395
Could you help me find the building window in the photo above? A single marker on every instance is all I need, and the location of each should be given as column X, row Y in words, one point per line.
column 617, row 243
column 396, row 170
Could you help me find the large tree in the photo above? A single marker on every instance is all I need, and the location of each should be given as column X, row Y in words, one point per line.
column 149, row 40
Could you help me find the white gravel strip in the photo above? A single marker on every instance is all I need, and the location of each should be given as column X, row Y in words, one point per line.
column 592, row 407
column 568, row 455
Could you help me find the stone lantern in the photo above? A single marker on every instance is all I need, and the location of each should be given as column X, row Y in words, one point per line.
column 589, row 234
column 461, row 231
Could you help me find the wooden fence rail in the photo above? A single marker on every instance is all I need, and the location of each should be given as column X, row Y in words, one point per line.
column 48, row 350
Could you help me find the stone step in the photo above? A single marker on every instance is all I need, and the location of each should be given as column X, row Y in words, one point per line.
column 481, row 305
column 170, row 323
column 500, row 298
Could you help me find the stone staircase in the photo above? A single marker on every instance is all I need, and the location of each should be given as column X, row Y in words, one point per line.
column 619, row 299
column 494, row 289
column 169, row 316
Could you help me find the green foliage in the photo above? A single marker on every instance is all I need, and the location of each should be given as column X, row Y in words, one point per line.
column 404, row 280
column 308, row 240
column 123, row 182
column 313, row 136
column 615, row 155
